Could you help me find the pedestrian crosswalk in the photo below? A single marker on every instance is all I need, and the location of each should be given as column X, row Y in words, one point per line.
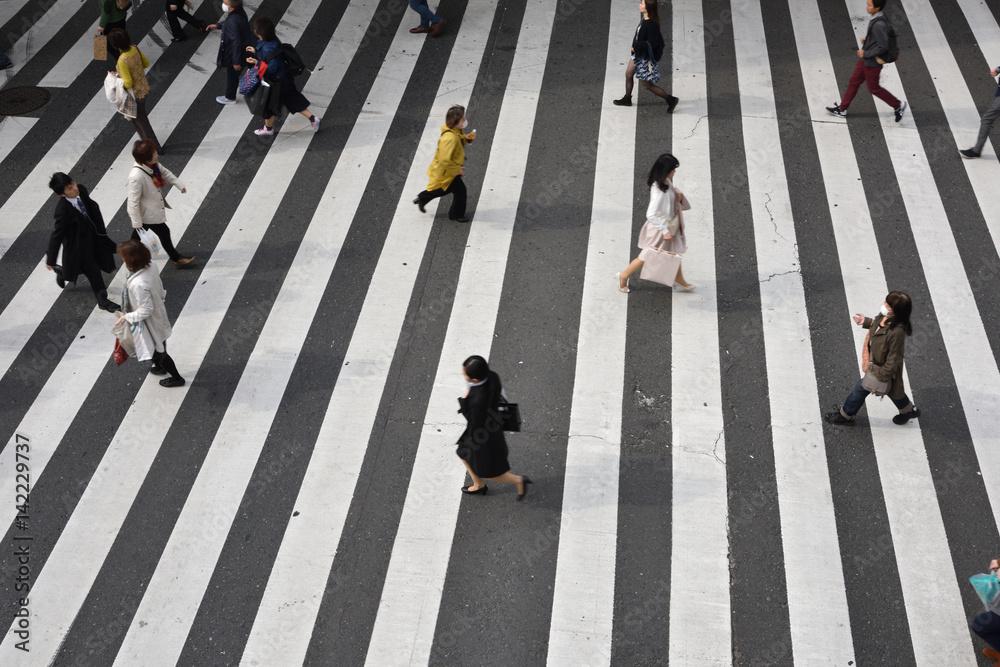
column 297, row 501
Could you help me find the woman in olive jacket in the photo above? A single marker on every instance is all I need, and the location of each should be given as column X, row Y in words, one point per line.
column 883, row 348
column 482, row 447
column 447, row 169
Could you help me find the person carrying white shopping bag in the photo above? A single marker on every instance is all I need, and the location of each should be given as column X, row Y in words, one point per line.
column 143, row 304
column 661, row 239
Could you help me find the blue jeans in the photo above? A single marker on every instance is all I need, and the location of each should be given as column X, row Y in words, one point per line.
column 987, row 626
column 4, row 60
column 986, row 124
column 427, row 17
column 857, row 398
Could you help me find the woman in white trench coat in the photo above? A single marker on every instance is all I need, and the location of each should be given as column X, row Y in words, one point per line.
column 142, row 303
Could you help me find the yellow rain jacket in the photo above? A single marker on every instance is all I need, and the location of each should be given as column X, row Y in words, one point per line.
column 448, row 160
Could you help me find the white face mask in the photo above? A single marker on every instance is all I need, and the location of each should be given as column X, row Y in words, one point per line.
column 226, row 8
column 464, row 124
column 885, row 311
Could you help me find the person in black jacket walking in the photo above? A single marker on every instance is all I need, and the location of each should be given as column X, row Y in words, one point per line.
column 482, row 446
column 176, row 9
column 80, row 231
column 236, row 37
column 647, row 49
column 874, row 45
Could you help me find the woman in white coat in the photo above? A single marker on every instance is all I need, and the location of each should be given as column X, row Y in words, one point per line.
column 146, row 206
column 142, row 301
column 664, row 221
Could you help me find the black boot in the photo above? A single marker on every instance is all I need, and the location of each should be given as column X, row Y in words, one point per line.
column 623, row 102
column 59, row 276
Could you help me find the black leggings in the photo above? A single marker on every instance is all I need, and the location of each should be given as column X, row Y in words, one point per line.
column 163, row 360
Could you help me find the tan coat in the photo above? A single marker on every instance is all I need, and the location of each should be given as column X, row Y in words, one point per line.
column 146, row 205
column 885, row 348
column 448, row 160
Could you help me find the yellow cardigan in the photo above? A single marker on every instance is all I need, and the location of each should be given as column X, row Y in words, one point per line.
column 449, row 158
column 123, row 65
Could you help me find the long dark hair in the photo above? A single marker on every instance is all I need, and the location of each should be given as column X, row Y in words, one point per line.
column 263, row 27
column 664, row 164
column 901, row 309
column 653, row 10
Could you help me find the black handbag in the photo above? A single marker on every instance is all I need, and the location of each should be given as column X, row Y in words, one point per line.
column 510, row 417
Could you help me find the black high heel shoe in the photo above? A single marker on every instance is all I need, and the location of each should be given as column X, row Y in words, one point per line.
column 521, row 495
column 481, row 491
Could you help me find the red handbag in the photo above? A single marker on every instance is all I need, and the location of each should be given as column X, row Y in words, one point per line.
column 121, row 356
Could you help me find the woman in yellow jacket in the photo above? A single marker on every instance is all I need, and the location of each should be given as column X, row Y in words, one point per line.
column 132, row 65
column 447, row 168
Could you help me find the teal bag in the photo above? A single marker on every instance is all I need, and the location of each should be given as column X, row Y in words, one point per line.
column 988, row 589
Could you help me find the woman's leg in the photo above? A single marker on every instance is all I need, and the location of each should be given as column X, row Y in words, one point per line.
column 634, row 266
column 680, row 278
column 457, row 188
column 629, row 77
column 656, row 90
column 164, row 361
column 175, row 26
column 510, row 478
column 141, row 122
column 163, row 233
column 477, row 481
column 854, row 401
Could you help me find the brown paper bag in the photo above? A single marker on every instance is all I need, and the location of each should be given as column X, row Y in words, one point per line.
column 100, row 47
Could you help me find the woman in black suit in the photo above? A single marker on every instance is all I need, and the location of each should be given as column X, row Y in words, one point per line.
column 79, row 230
column 482, row 446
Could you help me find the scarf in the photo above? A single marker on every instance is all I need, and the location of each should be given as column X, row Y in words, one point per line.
column 125, row 304
column 157, row 176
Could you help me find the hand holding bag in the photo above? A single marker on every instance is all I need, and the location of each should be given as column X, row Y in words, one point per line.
column 249, row 82
column 660, row 266
column 150, row 240
column 873, row 384
column 124, row 346
column 510, row 417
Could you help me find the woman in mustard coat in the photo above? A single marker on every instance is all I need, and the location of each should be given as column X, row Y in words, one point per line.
column 883, row 353
column 447, row 168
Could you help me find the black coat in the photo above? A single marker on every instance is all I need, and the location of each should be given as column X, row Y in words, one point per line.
column 482, row 445
column 83, row 239
column 648, row 35
column 236, row 37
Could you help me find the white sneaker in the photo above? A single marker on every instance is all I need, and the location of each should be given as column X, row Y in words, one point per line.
column 222, row 99
column 264, row 131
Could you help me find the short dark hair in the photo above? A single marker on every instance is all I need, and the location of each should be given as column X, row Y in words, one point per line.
column 476, row 367
column 143, row 151
column 119, row 39
column 454, row 115
column 878, row 4
column 59, row 182
column 664, row 164
column 901, row 309
column 264, row 28
column 135, row 255
column 235, row 4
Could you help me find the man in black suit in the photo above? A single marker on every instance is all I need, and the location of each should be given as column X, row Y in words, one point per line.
column 80, row 231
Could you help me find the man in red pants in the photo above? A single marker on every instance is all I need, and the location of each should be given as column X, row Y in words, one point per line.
column 868, row 69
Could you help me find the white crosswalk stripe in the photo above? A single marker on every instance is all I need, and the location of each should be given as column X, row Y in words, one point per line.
column 186, row 531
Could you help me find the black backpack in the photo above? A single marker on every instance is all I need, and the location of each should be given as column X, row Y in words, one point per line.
column 293, row 61
column 891, row 54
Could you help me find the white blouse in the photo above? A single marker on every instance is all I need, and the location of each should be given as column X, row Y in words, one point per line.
column 661, row 206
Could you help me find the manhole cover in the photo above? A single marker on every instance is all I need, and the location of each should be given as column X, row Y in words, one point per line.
column 24, row 99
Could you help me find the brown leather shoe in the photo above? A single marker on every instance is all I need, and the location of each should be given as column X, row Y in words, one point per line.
column 436, row 28
column 183, row 261
column 418, row 30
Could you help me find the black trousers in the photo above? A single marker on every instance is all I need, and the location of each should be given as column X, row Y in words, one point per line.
column 232, row 81
column 180, row 13
column 162, row 231
column 89, row 268
column 456, row 188
column 165, row 361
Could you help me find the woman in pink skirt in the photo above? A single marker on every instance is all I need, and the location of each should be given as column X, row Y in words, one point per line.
column 664, row 221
